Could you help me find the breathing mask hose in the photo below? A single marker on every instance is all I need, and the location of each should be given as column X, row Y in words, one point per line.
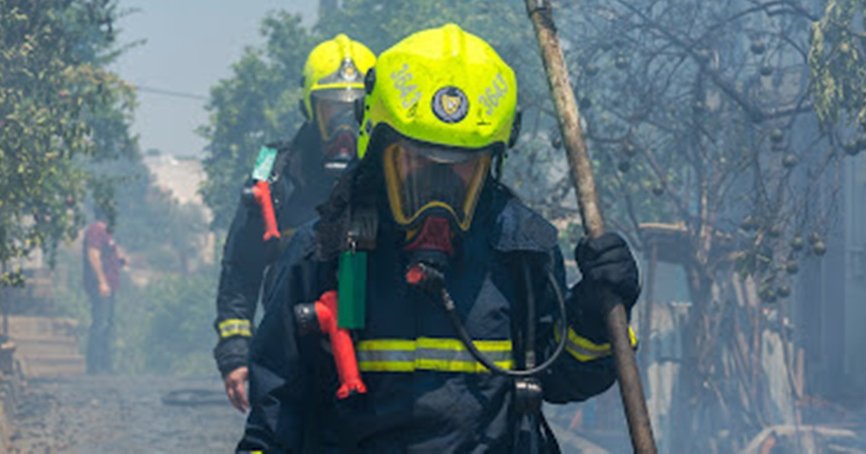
column 529, row 351
column 432, row 279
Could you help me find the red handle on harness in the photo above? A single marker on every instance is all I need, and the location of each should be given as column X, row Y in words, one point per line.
column 262, row 194
column 341, row 346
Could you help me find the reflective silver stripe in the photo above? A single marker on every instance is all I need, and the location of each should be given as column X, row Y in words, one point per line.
column 425, row 353
column 381, row 355
column 428, row 353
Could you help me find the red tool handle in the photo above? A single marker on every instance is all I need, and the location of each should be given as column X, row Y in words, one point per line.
column 341, row 346
column 262, row 194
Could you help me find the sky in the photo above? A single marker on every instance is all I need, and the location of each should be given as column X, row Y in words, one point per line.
column 187, row 47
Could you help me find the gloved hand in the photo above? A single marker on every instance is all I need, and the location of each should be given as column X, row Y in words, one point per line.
column 606, row 262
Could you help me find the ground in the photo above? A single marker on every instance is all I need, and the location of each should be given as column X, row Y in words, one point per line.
column 126, row 414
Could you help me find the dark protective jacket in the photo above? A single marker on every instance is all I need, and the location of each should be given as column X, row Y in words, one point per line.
column 298, row 185
column 425, row 393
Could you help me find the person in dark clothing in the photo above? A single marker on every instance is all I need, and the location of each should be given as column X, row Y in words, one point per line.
column 298, row 175
column 452, row 290
column 102, row 264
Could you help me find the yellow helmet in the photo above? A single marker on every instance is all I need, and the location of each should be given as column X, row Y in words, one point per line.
column 439, row 106
column 339, row 63
column 441, row 86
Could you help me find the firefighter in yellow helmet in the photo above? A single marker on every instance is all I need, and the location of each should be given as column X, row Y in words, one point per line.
column 426, row 309
column 288, row 181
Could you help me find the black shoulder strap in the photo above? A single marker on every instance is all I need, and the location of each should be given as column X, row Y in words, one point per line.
column 285, row 151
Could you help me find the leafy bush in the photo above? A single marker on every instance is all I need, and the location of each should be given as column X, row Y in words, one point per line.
column 168, row 324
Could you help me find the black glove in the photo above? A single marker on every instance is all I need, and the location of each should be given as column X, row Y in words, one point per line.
column 606, row 263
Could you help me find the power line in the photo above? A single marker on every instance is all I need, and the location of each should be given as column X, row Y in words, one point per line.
column 176, row 94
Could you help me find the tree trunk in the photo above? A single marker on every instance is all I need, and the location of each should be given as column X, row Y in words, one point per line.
column 735, row 377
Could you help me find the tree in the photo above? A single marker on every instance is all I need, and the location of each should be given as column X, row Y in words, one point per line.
column 162, row 233
column 258, row 104
column 836, row 58
column 700, row 118
column 54, row 87
column 65, row 139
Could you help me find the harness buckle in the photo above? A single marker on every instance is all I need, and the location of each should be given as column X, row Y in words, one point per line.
column 528, row 395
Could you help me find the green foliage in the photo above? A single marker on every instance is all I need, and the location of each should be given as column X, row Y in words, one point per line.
column 165, row 302
column 256, row 105
column 53, row 89
column 64, row 138
column 837, row 59
column 380, row 23
column 174, row 334
column 163, row 327
column 160, row 232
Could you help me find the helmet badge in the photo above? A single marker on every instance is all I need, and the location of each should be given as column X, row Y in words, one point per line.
column 348, row 70
column 450, row 104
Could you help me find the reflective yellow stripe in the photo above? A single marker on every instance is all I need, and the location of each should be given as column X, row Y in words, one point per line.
column 386, row 344
column 235, row 327
column 386, row 366
column 427, row 353
column 457, row 345
column 471, row 367
column 584, row 349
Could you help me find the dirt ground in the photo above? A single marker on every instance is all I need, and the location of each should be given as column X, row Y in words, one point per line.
column 127, row 414
column 122, row 414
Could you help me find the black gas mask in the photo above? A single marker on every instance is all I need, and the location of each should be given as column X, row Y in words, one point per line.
column 433, row 192
column 334, row 116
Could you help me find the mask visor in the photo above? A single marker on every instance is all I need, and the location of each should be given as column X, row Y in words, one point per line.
column 334, row 112
column 423, row 178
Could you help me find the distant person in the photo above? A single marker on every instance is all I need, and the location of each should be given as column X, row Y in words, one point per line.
column 299, row 175
column 102, row 264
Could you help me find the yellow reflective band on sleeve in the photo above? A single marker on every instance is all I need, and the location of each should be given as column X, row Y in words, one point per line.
column 432, row 354
column 584, row 349
column 235, row 327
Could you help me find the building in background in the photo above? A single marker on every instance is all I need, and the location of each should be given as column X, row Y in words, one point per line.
column 830, row 302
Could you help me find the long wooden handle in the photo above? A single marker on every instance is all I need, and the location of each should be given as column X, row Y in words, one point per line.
column 593, row 223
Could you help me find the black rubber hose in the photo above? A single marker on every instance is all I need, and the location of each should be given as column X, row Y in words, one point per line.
column 450, row 309
column 529, row 352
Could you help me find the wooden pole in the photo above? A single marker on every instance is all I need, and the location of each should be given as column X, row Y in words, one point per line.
column 649, row 300
column 593, row 223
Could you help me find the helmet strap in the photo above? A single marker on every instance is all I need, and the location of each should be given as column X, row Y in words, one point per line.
column 303, row 108
column 499, row 160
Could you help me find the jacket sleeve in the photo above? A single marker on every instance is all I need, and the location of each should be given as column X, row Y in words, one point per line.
column 586, row 367
column 243, row 264
column 282, row 367
column 245, row 257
